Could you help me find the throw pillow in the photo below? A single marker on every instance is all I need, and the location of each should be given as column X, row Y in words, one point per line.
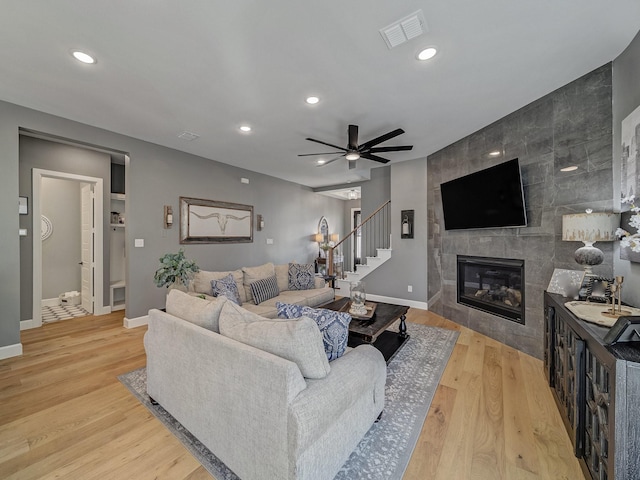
column 204, row 313
column 251, row 274
column 264, row 289
column 226, row 287
column 282, row 274
column 301, row 276
column 202, row 281
column 296, row 340
column 334, row 326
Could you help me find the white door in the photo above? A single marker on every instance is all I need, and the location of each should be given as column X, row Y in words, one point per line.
column 87, row 235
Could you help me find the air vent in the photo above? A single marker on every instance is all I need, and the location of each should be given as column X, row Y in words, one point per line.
column 405, row 29
column 188, row 136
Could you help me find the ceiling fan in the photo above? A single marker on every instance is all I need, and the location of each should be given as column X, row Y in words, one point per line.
column 367, row 150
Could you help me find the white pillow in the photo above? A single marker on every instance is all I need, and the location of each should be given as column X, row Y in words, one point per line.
column 297, row 340
column 204, row 313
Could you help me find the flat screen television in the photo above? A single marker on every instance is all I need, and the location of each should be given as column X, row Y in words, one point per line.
column 490, row 198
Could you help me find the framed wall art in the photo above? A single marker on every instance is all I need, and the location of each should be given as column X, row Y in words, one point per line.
column 210, row 221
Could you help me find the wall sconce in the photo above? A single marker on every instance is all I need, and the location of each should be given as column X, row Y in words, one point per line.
column 168, row 216
column 259, row 222
column 406, row 230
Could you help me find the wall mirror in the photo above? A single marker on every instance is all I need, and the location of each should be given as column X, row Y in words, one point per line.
column 323, row 230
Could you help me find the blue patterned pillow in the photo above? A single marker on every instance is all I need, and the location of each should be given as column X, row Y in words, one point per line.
column 334, row 326
column 264, row 289
column 226, row 287
column 301, row 276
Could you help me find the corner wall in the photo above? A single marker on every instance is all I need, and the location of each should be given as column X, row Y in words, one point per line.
column 570, row 126
column 626, row 98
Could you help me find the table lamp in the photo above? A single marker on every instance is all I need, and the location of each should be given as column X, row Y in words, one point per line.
column 589, row 228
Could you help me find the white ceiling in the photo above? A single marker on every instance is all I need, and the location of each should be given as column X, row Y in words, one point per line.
column 207, row 66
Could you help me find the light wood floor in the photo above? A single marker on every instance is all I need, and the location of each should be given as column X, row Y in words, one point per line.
column 64, row 414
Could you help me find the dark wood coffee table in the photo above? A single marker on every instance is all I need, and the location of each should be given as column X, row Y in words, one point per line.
column 375, row 331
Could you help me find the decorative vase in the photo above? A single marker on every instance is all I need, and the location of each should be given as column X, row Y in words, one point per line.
column 358, row 297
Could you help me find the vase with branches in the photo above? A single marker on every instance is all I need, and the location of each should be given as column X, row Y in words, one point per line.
column 175, row 270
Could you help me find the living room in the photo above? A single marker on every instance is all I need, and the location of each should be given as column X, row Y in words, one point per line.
column 158, row 176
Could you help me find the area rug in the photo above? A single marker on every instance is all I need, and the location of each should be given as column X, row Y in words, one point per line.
column 385, row 451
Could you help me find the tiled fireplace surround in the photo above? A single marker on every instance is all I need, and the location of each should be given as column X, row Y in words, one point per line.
column 570, row 126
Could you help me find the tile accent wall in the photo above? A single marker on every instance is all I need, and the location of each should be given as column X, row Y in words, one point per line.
column 570, row 126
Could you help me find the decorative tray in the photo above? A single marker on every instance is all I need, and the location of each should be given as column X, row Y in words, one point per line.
column 371, row 310
column 598, row 313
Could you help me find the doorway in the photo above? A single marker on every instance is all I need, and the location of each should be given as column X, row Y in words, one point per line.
column 90, row 256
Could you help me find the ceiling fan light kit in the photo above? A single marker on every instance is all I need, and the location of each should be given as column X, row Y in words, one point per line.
column 353, row 151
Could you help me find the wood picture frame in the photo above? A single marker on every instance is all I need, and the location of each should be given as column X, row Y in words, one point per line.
column 210, row 221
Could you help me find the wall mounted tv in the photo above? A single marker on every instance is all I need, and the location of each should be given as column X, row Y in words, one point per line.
column 490, row 198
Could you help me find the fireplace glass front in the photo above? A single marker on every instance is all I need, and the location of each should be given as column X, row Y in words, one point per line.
column 493, row 285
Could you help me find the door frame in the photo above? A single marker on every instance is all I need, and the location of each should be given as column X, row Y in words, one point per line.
column 98, row 241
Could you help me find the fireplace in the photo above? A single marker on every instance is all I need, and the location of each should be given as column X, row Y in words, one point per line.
column 493, row 285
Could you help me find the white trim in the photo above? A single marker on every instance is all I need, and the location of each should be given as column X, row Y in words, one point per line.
column 26, row 324
column 50, row 302
column 97, row 310
column 37, row 176
column 135, row 322
column 398, row 301
column 9, row 351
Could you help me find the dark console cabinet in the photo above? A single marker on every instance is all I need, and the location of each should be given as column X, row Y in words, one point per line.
column 597, row 390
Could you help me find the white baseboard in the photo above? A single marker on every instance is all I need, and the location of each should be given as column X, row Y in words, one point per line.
column 398, row 301
column 50, row 302
column 11, row 351
column 135, row 322
column 101, row 310
column 26, row 324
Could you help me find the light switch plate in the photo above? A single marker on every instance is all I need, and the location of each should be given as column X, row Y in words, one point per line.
column 138, row 242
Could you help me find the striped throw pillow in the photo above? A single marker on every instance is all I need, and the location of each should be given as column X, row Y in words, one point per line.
column 264, row 289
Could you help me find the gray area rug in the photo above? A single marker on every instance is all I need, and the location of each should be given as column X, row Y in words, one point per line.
column 385, row 451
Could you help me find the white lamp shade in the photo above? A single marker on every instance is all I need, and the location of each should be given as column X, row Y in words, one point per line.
column 590, row 227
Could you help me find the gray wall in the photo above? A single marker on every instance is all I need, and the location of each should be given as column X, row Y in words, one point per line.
column 48, row 155
column 408, row 263
column 571, row 126
column 61, row 251
column 626, row 98
column 157, row 176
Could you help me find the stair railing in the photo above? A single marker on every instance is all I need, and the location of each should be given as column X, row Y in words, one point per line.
column 373, row 233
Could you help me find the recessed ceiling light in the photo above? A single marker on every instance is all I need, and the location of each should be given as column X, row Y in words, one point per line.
column 312, row 100
column 495, row 153
column 569, row 169
column 83, row 57
column 245, row 128
column 427, row 53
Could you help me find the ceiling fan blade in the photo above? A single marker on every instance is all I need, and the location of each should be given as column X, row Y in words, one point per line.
column 330, row 161
column 375, row 158
column 353, row 137
column 311, row 154
column 328, row 144
column 390, row 149
column 380, row 139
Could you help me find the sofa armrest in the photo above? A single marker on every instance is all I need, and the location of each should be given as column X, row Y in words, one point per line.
column 360, row 372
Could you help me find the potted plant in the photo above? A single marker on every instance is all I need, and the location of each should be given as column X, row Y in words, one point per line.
column 175, row 271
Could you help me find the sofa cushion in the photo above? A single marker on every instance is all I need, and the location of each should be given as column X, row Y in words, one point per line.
column 298, row 340
column 226, row 287
column 282, row 274
column 312, row 298
column 333, row 325
column 204, row 313
column 202, row 281
column 264, row 289
column 251, row 274
column 301, row 276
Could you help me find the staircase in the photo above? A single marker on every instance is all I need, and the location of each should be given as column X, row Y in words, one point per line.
column 363, row 250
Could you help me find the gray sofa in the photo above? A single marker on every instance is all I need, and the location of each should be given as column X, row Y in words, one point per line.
column 201, row 285
column 253, row 408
